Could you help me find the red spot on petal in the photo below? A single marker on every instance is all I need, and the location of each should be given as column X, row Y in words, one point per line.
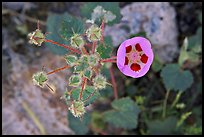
column 144, row 58
column 137, row 47
column 135, row 67
column 128, row 49
column 126, row 61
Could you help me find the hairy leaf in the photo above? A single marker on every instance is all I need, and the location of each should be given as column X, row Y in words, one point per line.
column 176, row 79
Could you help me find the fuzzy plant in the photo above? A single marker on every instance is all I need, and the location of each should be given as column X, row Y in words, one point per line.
column 87, row 56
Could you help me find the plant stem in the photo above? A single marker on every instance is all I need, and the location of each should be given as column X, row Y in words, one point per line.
column 58, row 69
column 102, row 28
column 113, row 83
column 64, row 46
column 165, row 103
column 82, row 87
column 178, row 95
column 112, row 60
column 84, row 51
column 94, row 47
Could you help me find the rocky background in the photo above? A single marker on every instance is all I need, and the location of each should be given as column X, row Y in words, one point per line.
column 27, row 109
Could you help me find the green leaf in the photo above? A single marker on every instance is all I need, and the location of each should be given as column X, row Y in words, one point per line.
column 141, row 34
column 162, row 127
column 124, row 114
column 88, row 73
column 195, row 41
column 71, row 59
column 200, row 17
column 87, row 10
column 105, row 50
column 71, row 26
column 88, row 91
column 75, row 80
column 97, row 120
column 53, row 25
column 79, row 127
column 157, row 65
column 82, row 64
column 176, row 79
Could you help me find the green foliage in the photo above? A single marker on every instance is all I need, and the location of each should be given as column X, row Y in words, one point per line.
column 157, row 65
column 193, row 130
column 40, row 78
column 191, row 49
column 162, row 127
column 80, row 127
column 89, row 91
column 88, row 73
column 97, row 120
column 140, row 34
column 94, row 33
column 87, row 10
column 99, row 82
column 183, row 118
column 124, row 114
column 71, row 59
column 37, row 37
column 176, row 79
column 105, row 50
column 53, row 25
column 75, row 80
column 70, row 26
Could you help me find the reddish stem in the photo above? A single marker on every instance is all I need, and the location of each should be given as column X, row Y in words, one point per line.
column 113, row 83
column 58, row 69
column 94, row 47
column 83, row 49
column 83, row 86
column 64, row 46
column 102, row 27
column 112, row 59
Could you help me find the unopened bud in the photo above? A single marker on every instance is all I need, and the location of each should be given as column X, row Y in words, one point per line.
column 36, row 37
column 94, row 33
column 77, row 108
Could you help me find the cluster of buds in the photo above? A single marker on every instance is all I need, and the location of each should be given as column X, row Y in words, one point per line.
column 134, row 58
column 86, row 79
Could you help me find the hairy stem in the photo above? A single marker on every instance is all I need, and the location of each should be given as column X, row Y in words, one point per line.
column 82, row 87
column 165, row 103
column 58, row 69
column 94, row 47
column 102, row 28
column 112, row 60
column 113, row 83
column 84, row 51
column 64, row 46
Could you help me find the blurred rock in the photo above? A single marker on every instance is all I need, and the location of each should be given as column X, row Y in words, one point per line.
column 19, row 5
column 156, row 19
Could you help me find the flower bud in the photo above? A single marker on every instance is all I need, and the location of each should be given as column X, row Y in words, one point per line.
column 39, row 79
column 77, row 108
column 77, row 41
column 36, row 37
column 99, row 82
column 94, row 33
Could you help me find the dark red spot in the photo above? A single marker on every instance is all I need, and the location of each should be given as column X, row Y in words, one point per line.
column 126, row 61
column 135, row 67
column 128, row 49
column 144, row 58
column 138, row 48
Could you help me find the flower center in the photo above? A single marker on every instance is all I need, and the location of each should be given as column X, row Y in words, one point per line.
column 135, row 57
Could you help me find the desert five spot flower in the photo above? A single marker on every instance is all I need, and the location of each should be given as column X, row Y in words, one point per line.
column 135, row 56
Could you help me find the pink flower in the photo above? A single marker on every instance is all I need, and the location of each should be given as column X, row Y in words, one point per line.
column 135, row 56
